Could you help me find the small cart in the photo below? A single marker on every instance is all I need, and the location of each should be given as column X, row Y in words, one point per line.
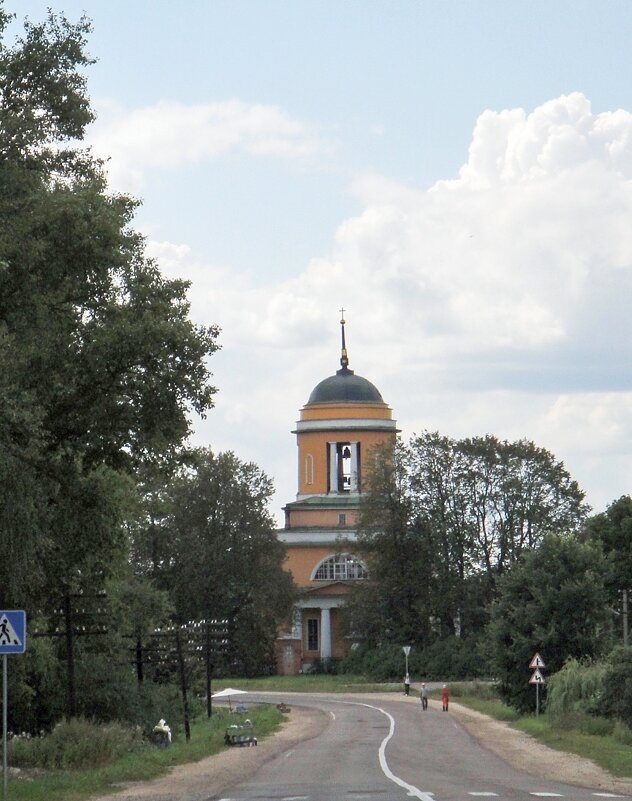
column 240, row 734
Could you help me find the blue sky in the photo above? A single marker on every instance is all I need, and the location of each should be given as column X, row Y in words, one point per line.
column 457, row 175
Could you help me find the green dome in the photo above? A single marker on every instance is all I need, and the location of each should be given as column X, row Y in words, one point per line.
column 345, row 387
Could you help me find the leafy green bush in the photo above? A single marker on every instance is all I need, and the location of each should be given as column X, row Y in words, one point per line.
column 484, row 690
column 596, row 725
column 584, row 723
column 577, row 687
column 75, row 744
column 622, row 733
column 322, row 667
column 383, row 663
column 109, row 693
column 453, row 658
column 617, row 686
column 37, row 687
column 449, row 659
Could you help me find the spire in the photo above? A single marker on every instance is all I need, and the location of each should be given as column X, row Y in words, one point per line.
column 344, row 359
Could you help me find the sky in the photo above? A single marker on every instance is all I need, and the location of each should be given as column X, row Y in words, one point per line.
column 456, row 174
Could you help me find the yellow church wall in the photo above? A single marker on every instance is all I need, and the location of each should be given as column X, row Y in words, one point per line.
column 301, row 561
column 323, row 518
column 312, row 479
column 346, row 411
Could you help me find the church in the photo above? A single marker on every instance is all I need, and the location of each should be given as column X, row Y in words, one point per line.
column 343, row 419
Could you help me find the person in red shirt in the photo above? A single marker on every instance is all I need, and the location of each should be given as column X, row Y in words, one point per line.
column 445, row 697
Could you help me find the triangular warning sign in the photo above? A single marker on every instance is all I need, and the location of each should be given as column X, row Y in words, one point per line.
column 537, row 678
column 7, row 633
column 536, row 661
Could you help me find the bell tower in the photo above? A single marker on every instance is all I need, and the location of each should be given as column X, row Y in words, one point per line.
column 344, row 418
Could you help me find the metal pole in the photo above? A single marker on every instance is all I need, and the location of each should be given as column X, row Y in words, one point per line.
column 209, row 707
column 183, row 684
column 71, row 707
column 5, row 703
column 625, row 618
column 537, row 699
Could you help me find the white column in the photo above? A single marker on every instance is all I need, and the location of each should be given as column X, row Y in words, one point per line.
column 353, row 446
column 297, row 627
column 333, row 467
column 325, row 634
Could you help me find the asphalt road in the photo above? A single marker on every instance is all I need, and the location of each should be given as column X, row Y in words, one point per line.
column 388, row 749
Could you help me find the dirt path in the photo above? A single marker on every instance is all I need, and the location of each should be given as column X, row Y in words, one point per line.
column 195, row 781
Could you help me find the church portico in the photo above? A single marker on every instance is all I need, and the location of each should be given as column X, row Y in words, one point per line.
column 315, row 632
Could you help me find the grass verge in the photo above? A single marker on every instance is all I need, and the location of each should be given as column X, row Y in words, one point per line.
column 207, row 738
column 311, row 683
column 603, row 750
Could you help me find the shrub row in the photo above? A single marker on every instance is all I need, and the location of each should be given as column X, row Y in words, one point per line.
column 598, row 690
column 450, row 659
column 75, row 744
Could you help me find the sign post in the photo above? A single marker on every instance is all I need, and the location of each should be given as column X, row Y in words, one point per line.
column 406, row 651
column 537, row 678
column 12, row 641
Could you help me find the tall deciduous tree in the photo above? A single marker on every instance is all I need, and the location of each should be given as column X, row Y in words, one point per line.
column 444, row 518
column 612, row 531
column 99, row 361
column 393, row 606
column 553, row 601
column 215, row 550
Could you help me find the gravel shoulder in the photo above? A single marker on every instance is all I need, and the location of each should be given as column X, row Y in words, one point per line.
column 195, row 781
column 522, row 751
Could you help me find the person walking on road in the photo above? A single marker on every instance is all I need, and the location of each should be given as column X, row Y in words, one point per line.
column 407, row 684
column 423, row 694
column 445, row 697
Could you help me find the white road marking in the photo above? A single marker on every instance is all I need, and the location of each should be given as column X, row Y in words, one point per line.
column 295, row 798
column 332, row 714
column 413, row 791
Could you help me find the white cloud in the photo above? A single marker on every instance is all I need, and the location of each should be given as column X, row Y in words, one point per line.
column 170, row 134
column 494, row 302
column 511, row 146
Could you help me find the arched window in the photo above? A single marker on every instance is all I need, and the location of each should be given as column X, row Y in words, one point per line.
column 341, row 567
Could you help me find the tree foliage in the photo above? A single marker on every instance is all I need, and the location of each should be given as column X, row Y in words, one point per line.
column 210, row 541
column 553, row 601
column 443, row 520
column 99, row 362
column 617, row 686
column 612, row 532
column 577, row 688
column 100, row 370
column 393, row 606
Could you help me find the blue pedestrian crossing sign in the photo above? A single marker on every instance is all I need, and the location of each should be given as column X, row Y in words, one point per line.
column 12, row 631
